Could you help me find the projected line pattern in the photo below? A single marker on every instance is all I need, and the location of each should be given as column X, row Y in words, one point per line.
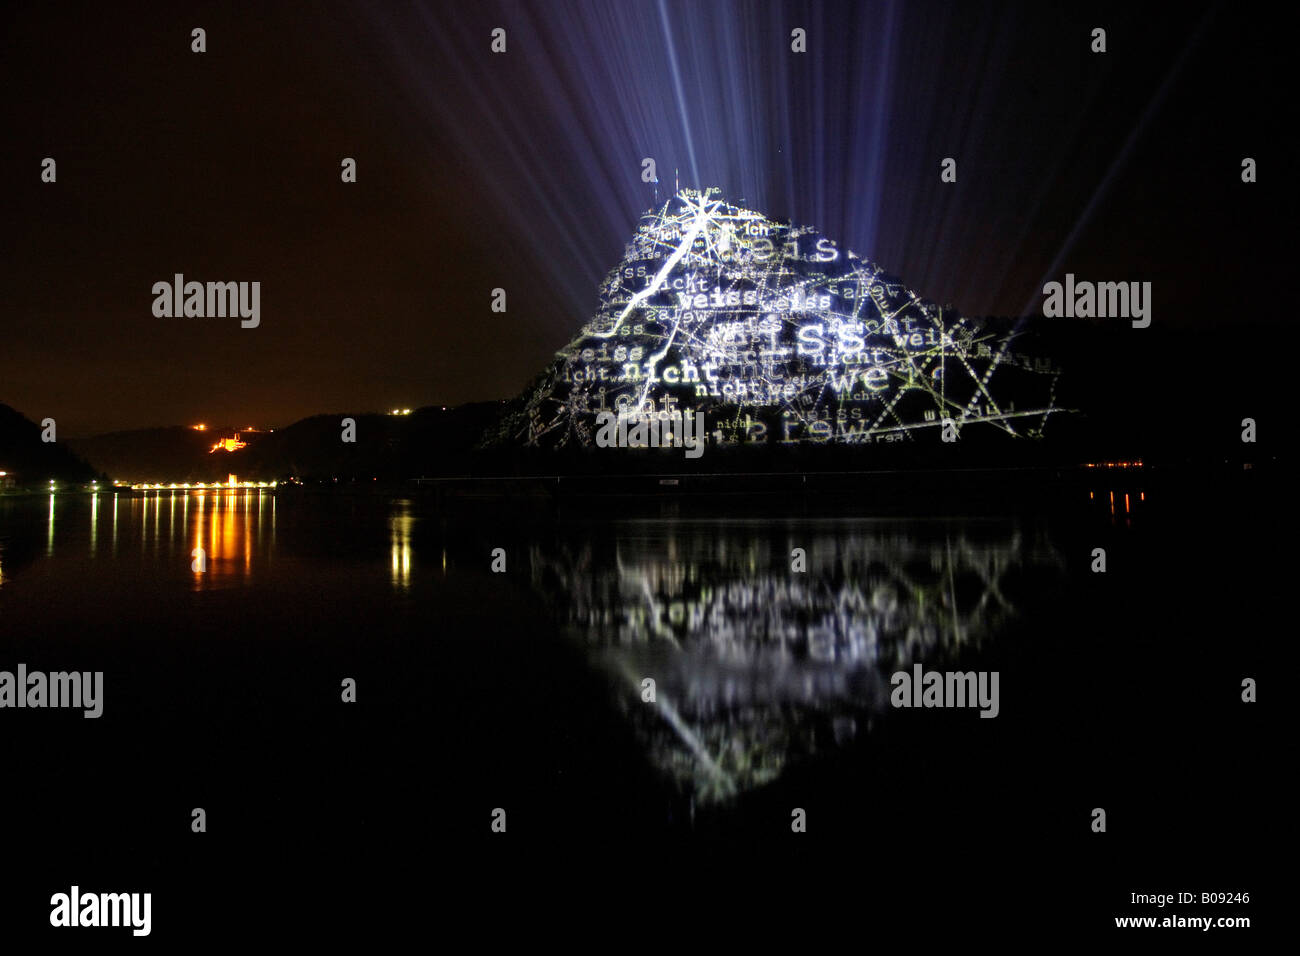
column 778, row 335
column 758, row 669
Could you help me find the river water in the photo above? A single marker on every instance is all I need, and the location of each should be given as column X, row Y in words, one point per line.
column 502, row 656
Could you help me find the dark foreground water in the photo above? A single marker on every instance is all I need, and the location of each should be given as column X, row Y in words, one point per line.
column 522, row 690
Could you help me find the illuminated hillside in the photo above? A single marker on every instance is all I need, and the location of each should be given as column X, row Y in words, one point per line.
column 778, row 335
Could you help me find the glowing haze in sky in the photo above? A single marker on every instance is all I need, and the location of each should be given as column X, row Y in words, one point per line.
column 522, row 170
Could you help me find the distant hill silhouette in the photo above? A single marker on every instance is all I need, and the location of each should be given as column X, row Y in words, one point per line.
column 174, row 453
column 429, row 441
column 31, row 462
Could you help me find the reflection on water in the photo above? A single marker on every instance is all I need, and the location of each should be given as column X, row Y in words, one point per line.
column 757, row 666
column 231, row 527
column 400, row 525
column 235, row 528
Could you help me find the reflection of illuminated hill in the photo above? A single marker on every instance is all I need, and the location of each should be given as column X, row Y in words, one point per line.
column 757, row 666
column 780, row 338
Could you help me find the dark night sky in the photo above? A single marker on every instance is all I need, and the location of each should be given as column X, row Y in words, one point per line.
column 522, row 171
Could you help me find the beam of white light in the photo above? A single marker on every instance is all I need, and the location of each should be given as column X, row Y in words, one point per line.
column 681, row 97
column 1032, row 306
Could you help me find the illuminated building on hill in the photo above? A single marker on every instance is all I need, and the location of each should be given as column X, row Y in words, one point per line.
column 229, row 444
